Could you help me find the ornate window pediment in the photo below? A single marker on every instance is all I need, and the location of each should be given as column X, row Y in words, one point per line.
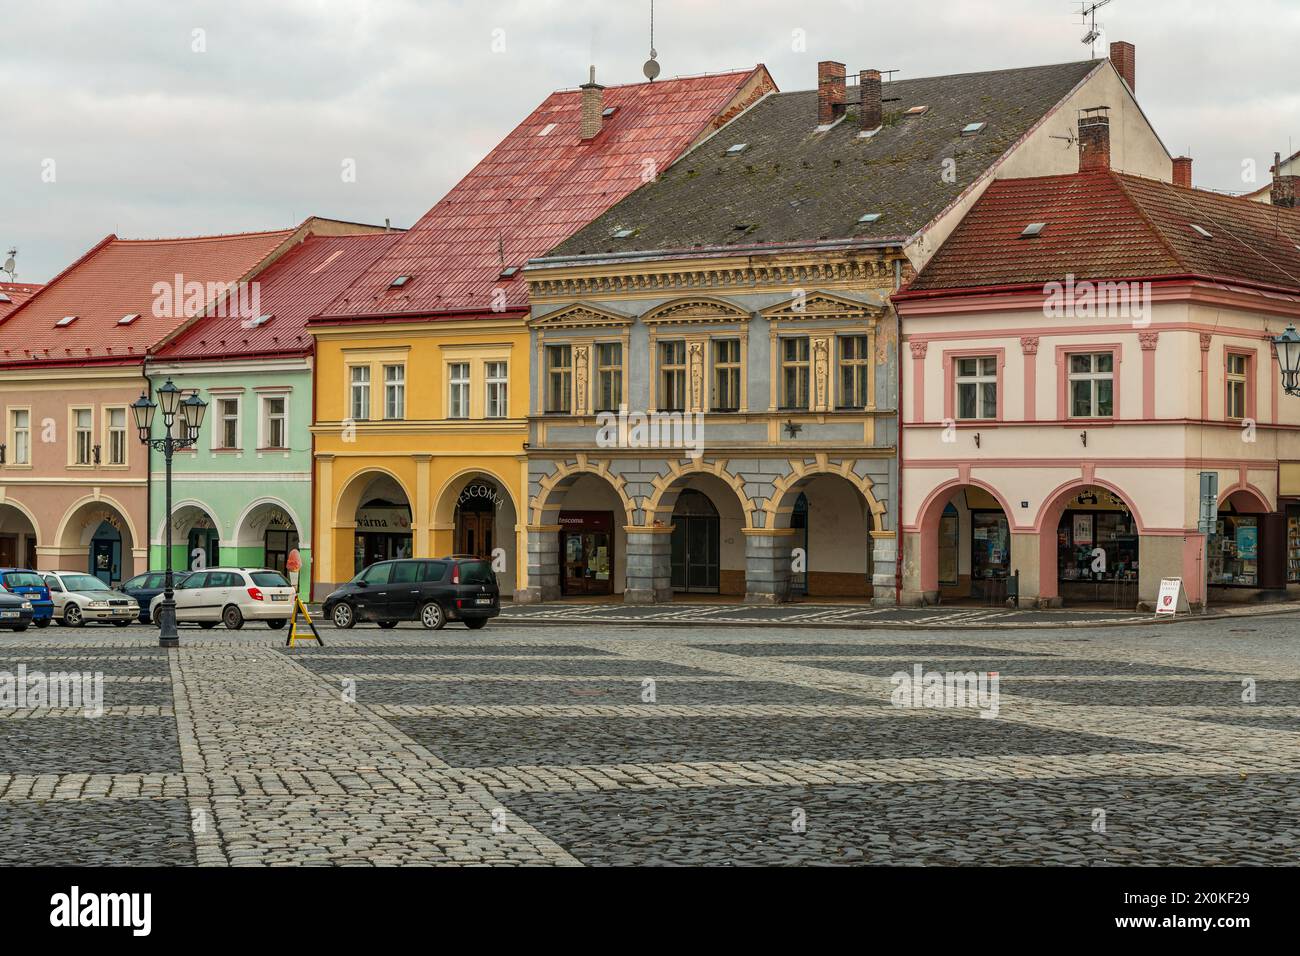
column 822, row 305
column 581, row 315
column 695, row 311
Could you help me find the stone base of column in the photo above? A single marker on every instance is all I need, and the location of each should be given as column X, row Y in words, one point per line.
column 884, row 564
column 767, row 568
column 649, row 567
column 543, row 567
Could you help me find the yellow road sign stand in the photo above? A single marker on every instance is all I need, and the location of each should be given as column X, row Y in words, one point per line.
column 300, row 608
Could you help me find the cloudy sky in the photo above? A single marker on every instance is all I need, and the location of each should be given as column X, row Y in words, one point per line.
column 185, row 117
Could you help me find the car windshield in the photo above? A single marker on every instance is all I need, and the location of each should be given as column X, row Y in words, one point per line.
column 83, row 582
column 476, row 572
column 269, row 579
column 23, row 579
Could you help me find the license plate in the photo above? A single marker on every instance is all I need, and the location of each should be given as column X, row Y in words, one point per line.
column 279, row 597
column 8, row 614
column 486, row 600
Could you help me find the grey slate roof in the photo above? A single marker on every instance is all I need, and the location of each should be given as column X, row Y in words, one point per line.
column 792, row 183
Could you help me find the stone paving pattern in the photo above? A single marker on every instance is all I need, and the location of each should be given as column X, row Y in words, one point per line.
column 596, row 745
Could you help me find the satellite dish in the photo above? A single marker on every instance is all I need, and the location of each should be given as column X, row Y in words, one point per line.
column 9, row 265
column 651, row 68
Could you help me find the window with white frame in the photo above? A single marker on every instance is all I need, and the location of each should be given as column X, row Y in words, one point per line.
column 360, row 397
column 855, row 371
column 227, row 422
column 1092, row 385
column 275, row 421
column 977, row 387
column 116, row 435
column 84, row 437
column 496, row 378
column 394, row 391
column 609, row 376
column 796, row 373
column 458, row 390
column 20, row 424
column 672, row 376
column 559, row 378
column 726, row 375
column 1238, row 380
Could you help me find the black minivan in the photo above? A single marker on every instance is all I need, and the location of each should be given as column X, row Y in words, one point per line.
column 432, row 592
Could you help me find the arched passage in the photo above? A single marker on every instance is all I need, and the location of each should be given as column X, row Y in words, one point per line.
column 97, row 535
column 1248, row 551
column 577, row 538
column 265, row 533
column 196, row 537
column 1090, row 546
column 708, row 513
column 965, row 544
column 18, row 536
column 830, row 520
column 475, row 514
column 376, row 508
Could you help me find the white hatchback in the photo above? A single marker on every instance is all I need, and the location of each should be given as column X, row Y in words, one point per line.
column 231, row 596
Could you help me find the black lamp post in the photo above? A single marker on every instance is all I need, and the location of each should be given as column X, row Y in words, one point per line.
column 191, row 411
column 1287, row 348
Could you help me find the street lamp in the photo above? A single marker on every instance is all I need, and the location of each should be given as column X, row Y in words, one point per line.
column 191, row 411
column 1287, row 348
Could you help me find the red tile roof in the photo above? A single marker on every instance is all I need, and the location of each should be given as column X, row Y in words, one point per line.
column 536, row 188
column 118, row 277
column 1109, row 225
column 294, row 288
column 14, row 294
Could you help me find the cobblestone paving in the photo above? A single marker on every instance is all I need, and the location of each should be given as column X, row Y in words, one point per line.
column 607, row 745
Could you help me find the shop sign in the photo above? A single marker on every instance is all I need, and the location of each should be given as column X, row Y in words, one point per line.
column 1171, row 600
column 383, row 519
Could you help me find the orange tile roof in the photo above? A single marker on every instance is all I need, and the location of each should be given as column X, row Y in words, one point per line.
column 14, row 294
column 121, row 277
column 534, row 189
column 291, row 290
column 1109, row 225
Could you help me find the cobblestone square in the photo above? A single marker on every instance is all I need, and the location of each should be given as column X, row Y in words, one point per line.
column 589, row 744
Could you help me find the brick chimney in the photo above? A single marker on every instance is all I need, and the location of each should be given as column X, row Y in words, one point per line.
column 593, row 107
column 1183, row 171
column 830, row 92
column 871, row 111
column 1124, row 57
column 1094, row 139
column 1285, row 188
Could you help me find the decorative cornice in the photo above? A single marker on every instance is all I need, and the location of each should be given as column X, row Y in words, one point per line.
column 693, row 311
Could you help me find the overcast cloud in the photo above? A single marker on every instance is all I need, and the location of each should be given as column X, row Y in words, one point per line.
column 151, row 138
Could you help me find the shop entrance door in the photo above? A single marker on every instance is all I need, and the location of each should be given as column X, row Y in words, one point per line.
column 990, row 558
column 695, row 558
column 587, row 553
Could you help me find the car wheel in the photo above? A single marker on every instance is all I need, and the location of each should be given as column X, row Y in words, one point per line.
column 43, row 622
column 388, row 625
column 474, row 623
column 275, row 623
column 20, row 627
column 343, row 616
column 433, row 617
column 208, row 625
column 232, row 617
column 72, row 616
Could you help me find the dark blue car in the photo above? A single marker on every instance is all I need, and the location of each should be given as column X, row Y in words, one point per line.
column 30, row 585
column 145, row 587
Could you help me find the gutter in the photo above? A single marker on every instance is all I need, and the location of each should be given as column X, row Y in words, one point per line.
column 148, row 478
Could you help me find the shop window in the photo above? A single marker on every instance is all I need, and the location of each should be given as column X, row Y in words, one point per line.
column 1293, row 544
column 1097, row 545
column 1234, row 551
column 949, row 547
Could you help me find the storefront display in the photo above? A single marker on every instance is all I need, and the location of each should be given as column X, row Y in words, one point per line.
column 1234, row 551
column 990, row 552
column 383, row 533
column 1293, row 544
column 587, row 552
column 1097, row 546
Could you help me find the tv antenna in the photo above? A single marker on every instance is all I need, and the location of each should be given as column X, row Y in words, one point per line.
column 10, row 267
column 1088, row 12
column 651, row 67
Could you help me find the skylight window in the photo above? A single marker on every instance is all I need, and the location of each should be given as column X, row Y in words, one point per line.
column 64, row 322
column 916, row 111
column 547, row 129
column 260, row 321
column 622, row 233
column 970, row 129
column 738, row 148
column 508, row 271
column 128, row 319
column 1201, row 231
column 869, row 217
column 5, row 298
column 399, row 282
column 609, row 111
column 1033, row 230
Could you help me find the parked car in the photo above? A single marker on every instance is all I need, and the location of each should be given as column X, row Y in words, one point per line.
column 85, row 599
column 15, row 612
column 145, row 587
column 28, row 584
column 432, row 592
column 231, row 596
